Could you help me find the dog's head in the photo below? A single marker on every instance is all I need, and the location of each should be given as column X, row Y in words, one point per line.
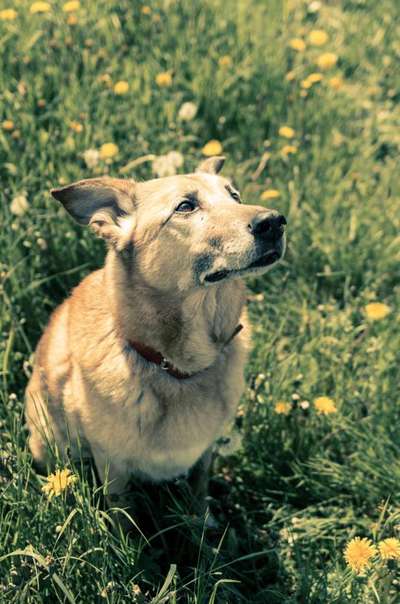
column 182, row 232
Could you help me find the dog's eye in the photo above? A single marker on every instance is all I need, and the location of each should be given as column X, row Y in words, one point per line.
column 186, row 206
column 233, row 194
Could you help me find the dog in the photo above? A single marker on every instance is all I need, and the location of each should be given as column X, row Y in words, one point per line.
column 142, row 366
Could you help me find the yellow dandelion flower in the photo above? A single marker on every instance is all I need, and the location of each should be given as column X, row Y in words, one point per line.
column 290, row 76
column 325, row 405
column 58, row 482
column 358, row 553
column 315, row 77
column 8, row 14
column 225, row 61
column 213, row 147
column 72, row 20
column 146, row 10
column 286, row 132
column 7, row 125
column 164, row 79
column 72, row 6
column 105, row 78
column 76, row 127
column 336, row 82
column 377, row 310
column 40, row 7
column 269, row 194
column 318, row 37
column 310, row 80
column 389, row 549
column 297, row 44
column 282, row 408
column 327, row 60
column 288, row 150
column 306, row 84
column 108, row 150
column 121, row 87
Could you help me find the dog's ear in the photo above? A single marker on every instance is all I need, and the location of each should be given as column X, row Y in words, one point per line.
column 212, row 165
column 98, row 202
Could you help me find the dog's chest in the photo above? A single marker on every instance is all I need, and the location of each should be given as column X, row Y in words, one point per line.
column 165, row 430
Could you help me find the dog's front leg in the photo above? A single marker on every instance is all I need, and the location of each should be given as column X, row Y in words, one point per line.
column 116, row 489
column 198, row 481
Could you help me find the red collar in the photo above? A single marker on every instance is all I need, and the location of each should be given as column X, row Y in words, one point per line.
column 157, row 358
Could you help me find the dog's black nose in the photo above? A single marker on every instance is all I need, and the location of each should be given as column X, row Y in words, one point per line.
column 270, row 224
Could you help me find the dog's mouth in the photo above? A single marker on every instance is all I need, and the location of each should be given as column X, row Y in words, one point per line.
column 265, row 260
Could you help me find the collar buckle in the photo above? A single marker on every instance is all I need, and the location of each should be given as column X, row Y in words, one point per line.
column 165, row 366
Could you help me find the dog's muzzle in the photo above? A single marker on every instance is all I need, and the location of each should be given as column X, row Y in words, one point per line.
column 268, row 229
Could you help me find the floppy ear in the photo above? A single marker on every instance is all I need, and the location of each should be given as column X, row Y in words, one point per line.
column 98, row 202
column 212, row 165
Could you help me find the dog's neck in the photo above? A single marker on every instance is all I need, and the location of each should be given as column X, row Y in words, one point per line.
column 188, row 330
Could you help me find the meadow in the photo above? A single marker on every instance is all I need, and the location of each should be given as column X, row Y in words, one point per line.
column 303, row 99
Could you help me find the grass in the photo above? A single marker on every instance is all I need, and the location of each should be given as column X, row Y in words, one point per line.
column 299, row 485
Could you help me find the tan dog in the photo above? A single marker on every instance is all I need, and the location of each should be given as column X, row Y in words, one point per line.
column 143, row 364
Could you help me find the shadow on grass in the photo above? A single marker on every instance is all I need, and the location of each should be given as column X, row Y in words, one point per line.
column 216, row 549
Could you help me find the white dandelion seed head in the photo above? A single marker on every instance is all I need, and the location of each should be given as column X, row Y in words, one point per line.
column 19, row 205
column 91, row 157
column 166, row 165
column 187, row 111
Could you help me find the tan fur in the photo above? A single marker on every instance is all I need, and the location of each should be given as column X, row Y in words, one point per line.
column 89, row 388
